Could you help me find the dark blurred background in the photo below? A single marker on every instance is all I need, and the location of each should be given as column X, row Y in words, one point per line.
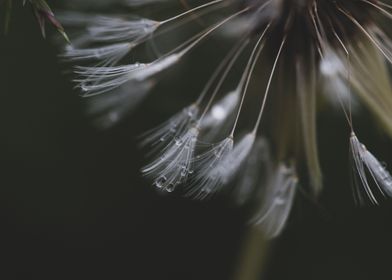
column 73, row 204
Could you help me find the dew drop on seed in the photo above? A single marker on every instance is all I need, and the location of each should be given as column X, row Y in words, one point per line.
column 178, row 142
column 84, row 88
column 160, row 182
column 184, row 172
column 217, row 153
column 170, row 188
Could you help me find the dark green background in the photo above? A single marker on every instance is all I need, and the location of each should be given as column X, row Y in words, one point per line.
column 73, row 205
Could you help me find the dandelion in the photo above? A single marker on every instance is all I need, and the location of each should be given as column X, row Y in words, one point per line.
column 304, row 52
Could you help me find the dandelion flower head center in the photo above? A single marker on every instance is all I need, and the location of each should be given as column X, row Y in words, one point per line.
column 310, row 23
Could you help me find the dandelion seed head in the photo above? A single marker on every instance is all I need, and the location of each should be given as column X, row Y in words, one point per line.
column 300, row 47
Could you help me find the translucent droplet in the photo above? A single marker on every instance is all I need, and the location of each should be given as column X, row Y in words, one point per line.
column 97, row 54
column 83, row 87
column 184, row 172
column 170, row 188
column 178, row 141
column 159, row 183
column 217, row 153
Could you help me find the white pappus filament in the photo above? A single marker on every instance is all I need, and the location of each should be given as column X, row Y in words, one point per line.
column 173, row 165
column 106, row 56
column 366, row 164
column 254, row 174
column 278, row 201
column 209, row 171
column 97, row 80
column 161, row 136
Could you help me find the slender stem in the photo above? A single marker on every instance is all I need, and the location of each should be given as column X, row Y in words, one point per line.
column 212, row 29
column 385, row 12
column 348, row 114
column 189, row 44
column 185, row 20
column 223, row 77
column 366, row 33
column 217, row 71
column 191, row 11
column 248, row 74
column 384, row 4
column 269, row 86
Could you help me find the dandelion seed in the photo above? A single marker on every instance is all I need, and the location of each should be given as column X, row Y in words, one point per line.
column 173, row 166
column 234, row 160
column 108, row 30
column 113, row 30
column 116, row 38
column 277, row 202
column 163, row 134
column 224, row 160
column 106, row 56
column 366, row 164
column 254, row 174
column 210, row 172
column 98, row 80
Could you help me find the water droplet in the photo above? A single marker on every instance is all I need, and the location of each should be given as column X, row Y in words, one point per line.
column 178, row 141
column 97, row 54
column 170, row 188
column 83, row 87
column 184, row 173
column 160, row 182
